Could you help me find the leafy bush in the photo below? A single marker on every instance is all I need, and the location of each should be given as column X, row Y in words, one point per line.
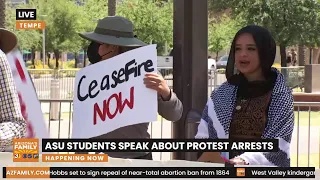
column 68, row 73
column 52, row 63
column 38, row 64
column 69, row 64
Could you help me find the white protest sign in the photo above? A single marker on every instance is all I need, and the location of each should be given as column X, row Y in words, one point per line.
column 111, row 94
column 30, row 105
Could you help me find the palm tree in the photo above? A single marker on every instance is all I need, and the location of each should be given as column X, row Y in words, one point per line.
column 112, row 7
column 2, row 13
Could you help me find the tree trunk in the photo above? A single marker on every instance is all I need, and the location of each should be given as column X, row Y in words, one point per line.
column 310, row 55
column 283, row 55
column 56, row 54
column 32, row 56
column 283, row 60
column 217, row 54
column 47, row 60
column 315, row 55
column 85, row 57
column 76, row 59
column 302, row 55
column 2, row 13
column 112, row 7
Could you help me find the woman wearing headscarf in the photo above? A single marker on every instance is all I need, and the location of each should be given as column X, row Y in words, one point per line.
column 254, row 103
column 12, row 123
column 113, row 36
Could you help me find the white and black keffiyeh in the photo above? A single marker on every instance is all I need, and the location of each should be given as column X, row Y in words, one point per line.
column 217, row 116
column 12, row 123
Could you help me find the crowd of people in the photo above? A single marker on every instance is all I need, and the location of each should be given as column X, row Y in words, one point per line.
column 254, row 103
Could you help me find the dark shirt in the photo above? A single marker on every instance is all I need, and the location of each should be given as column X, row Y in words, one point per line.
column 250, row 113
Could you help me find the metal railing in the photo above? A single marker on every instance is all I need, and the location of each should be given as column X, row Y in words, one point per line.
column 305, row 149
column 59, row 84
column 305, row 143
column 294, row 78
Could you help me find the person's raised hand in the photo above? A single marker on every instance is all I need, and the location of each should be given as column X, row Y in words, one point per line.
column 156, row 82
column 238, row 161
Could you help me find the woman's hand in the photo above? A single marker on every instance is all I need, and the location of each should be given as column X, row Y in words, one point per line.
column 156, row 82
column 238, row 161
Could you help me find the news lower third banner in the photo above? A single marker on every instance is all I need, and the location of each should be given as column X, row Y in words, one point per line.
column 27, row 150
column 157, row 172
column 158, row 145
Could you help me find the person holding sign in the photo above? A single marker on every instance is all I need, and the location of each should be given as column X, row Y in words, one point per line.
column 113, row 36
column 254, row 103
column 12, row 123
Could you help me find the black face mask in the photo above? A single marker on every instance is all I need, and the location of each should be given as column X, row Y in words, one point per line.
column 93, row 52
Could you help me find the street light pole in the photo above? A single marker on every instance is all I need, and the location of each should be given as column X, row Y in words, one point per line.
column 44, row 46
column 43, row 41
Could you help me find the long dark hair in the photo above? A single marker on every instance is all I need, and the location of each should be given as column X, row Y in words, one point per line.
column 266, row 49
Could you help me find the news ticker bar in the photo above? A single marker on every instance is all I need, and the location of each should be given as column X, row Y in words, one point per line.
column 157, row 172
column 158, row 145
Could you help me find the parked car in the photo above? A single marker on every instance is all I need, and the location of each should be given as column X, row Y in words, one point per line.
column 222, row 63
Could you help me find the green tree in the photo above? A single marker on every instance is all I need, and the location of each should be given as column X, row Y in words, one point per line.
column 62, row 24
column 92, row 11
column 74, row 43
column 153, row 24
column 27, row 39
column 288, row 21
column 221, row 33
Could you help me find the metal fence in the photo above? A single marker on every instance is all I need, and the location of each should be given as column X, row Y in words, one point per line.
column 305, row 144
column 294, row 78
column 59, row 84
